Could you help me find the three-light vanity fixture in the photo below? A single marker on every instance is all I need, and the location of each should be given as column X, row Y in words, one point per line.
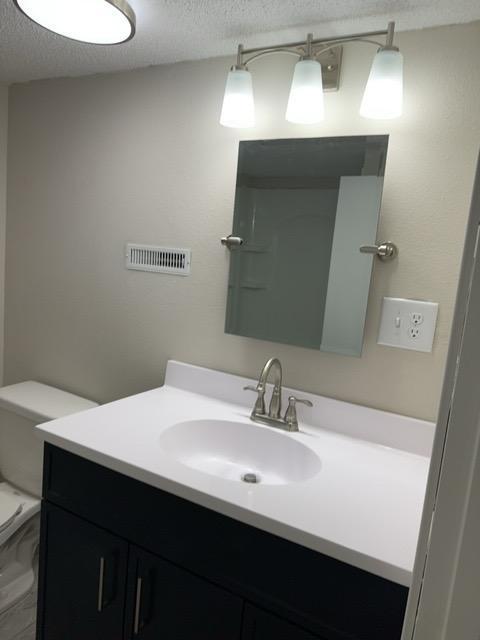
column 92, row 21
column 317, row 70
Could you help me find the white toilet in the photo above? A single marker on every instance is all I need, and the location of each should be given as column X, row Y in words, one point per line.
column 22, row 406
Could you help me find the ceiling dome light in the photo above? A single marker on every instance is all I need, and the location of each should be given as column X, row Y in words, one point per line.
column 238, row 109
column 383, row 95
column 305, row 103
column 92, row 21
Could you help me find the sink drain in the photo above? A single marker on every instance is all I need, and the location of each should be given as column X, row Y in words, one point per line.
column 252, row 478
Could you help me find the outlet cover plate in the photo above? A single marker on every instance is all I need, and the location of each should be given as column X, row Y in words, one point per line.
column 408, row 324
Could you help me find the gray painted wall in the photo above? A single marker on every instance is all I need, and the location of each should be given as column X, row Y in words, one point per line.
column 98, row 161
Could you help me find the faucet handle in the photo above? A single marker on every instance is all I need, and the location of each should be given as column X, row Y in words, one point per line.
column 291, row 412
column 259, row 408
column 292, row 400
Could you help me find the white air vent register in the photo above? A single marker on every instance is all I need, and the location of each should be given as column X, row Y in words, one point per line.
column 143, row 257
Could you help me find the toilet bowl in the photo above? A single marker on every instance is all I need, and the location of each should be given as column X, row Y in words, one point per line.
column 22, row 407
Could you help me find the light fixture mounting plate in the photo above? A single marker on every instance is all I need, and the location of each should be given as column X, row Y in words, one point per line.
column 331, row 62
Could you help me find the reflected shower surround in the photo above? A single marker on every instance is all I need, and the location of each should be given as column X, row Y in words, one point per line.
column 303, row 209
column 383, row 96
column 90, row 21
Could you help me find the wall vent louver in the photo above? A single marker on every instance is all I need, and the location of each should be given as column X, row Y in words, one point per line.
column 143, row 257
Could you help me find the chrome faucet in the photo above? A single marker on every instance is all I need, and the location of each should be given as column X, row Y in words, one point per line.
column 273, row 417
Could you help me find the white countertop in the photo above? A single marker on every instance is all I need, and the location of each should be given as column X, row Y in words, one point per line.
column 364, row 506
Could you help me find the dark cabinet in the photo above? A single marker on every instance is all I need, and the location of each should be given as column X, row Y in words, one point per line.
column 260, row 625
column 170, row 603
column 84, row 578
column 135, row 562
column 99, row 587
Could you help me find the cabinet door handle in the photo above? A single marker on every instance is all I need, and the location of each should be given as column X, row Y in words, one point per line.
column 101, row 581
column 138, row 604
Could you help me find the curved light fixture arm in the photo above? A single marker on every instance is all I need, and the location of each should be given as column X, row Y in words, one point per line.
column 337, row 43
column 270, row 52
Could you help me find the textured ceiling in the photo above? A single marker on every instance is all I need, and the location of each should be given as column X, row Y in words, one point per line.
column 173, row 30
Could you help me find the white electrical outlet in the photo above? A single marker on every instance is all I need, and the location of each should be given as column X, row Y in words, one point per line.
column 416, row 318
column 414, row 333
column 408, row 324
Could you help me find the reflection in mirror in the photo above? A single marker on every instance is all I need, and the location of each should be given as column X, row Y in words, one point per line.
column 303, row 208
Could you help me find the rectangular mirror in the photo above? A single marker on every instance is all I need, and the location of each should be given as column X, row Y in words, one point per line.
column 303, row 209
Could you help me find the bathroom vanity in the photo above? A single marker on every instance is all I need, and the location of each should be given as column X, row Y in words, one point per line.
column 138, row 541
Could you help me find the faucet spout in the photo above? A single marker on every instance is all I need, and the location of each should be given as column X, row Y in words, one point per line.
column 273, row 418
column 275, row 366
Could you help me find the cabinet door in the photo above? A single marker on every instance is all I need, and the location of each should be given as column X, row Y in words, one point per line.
column 172, row 604
column 260, row 625
column 83, row 578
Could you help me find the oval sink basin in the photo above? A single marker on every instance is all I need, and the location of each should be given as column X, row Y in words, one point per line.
column 230, row 450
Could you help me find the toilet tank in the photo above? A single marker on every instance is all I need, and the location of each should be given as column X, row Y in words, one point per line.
column 22, row 406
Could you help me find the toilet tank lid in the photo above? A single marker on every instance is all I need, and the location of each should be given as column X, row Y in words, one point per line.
column 40, row 402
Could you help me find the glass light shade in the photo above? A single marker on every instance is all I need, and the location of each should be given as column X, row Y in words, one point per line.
column 92, row 21
column 383, row 97
column 238, row 109
column 305, row 103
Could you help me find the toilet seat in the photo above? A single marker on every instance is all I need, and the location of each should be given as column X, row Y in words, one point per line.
column 16, row 507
